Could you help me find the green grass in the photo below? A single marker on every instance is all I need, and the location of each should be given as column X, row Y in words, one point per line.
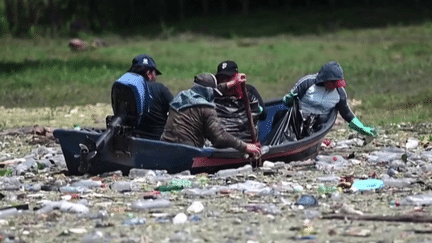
column 387, row 68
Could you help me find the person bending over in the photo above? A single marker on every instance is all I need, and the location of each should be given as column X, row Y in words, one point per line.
column 321, row 92
column 192, row 118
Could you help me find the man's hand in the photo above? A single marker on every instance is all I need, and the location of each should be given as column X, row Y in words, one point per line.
column 288, row 99
column 238, row 79
column 253, row 149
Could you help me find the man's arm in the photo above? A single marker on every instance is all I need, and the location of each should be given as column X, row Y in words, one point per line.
column 343, row 107
column 166, row 93
column 348, row 115
column 303, row 85
column 214, row 131
column 263, row 110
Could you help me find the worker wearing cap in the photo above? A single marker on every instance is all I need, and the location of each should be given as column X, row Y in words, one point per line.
column 231, row 108
column 153, row 122
column 192, row 118
column 321, row 92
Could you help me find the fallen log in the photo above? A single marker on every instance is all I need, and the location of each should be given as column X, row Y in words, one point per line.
column 412, row 218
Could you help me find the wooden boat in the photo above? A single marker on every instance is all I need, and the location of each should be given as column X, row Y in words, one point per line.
column 136, row 152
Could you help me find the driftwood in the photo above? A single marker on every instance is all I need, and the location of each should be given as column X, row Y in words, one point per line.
column 412, row 218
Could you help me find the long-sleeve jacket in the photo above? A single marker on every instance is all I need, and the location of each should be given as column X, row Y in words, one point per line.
column 316, row 99
column 192, row 118
column 232, row 112
column 153, row 122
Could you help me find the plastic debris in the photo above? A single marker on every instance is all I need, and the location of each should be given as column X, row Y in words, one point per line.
column 367, row 185
column 150, row 204
column 180, row 218
column 195, row 207
column 307, row 201
column 417, row 200
column 134, row 221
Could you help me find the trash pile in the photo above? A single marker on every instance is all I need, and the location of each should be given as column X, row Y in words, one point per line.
column 355, row 190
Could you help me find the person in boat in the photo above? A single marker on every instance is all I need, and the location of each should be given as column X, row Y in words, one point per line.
column 153, row 122
column 319, row 93
column 192, row 118
column 230, row 106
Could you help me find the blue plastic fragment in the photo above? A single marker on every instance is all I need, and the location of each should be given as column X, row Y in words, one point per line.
column 366, row 185
column 307, row 201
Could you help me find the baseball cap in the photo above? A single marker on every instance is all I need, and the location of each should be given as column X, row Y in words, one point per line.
column 146, row 61
column 207, row 80
column 227, row 68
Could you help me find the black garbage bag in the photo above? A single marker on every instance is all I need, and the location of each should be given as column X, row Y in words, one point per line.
column 291, row 125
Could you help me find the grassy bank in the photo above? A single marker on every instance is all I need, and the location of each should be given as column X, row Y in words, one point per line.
column 388, row 69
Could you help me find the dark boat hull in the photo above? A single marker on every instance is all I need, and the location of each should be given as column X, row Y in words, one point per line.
column 158, row 155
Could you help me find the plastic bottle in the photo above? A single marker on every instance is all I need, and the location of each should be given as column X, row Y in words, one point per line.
column 232, row 172
column 73, row 189
column 49, row 206
column 136, row 172
column 226, row 173
column 123, row 186
column 329, row 178
column 245, row 169
column 312, row 214
column 6, row 213
column 134, row 221
column 74, row 208
column 34, row 188
column 29, row 164
column 10, row 183
column 200, row 191
column 266, row 208
column 96, row 236
column 417, row 200
column 87, row 183
column 150, row 204
column 399, row 183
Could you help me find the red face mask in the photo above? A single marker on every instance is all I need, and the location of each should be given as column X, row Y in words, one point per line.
column 236, row 90
column 335, row 84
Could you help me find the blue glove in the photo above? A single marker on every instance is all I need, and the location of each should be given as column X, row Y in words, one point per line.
column 356, row 125
column 288, row 99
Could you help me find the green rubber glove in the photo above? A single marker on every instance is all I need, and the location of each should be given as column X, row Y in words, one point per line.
column 288, row 99
column 356, row 125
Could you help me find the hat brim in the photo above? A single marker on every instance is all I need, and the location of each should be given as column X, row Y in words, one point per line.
column 158, row 72
column 226, row 72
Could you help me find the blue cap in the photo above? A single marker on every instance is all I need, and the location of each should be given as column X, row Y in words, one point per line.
column 146, row 61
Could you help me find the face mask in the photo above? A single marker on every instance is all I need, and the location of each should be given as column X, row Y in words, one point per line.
column 335, row 84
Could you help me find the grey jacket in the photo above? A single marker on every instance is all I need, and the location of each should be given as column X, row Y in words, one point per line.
column 316, row 99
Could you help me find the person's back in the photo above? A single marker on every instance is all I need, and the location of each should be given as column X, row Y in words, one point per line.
column 153, row 122
column 192, row 118
column 231, row 107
